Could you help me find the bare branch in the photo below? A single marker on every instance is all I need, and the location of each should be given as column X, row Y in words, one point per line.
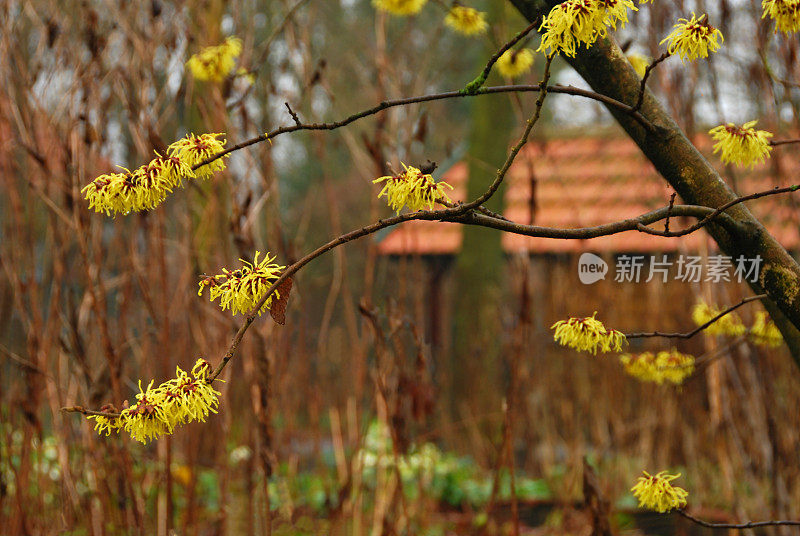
column 720, row 210
column 788, row 141
column 747, row 525
column 647, row 71
column 476, row 84
column 697, row 330
column 84, row 411
column 293, row 114
column 567, row 90
column 583, row 233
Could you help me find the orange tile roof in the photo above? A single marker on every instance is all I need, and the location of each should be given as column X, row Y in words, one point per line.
column 583, row 182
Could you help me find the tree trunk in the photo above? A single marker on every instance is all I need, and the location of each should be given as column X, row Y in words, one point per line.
column 479, row 265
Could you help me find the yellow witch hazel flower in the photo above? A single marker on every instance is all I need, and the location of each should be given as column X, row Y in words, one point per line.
column 656, row 493
column 106, row 425
column 147, row 420
column 741, row 145
column 764, row 331
column 215, row 63
column 167, row 171
column 413, row 189
column 109, row 193
column 573, row 22
column 514, row 63
column 195, row 149
column 190, row 398
column 466, row 20
column 158, row 410
column 141, row 189
column 400, row 7
column 785, row 13
column 616, row 11
column 587, row 335
column 695, row 38
column 730, row 324
column 672, row 366
column 240, row 290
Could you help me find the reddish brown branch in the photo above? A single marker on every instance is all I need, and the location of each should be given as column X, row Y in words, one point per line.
column 787, row 141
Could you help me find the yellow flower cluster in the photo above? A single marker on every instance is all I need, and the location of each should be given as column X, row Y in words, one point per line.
column 616, row 11
column 216, row 62
column 573, row 22
column 141, row 189
column 158, row 411
column 695, row 38
column 240, row 290
column 785, row 13
column 672, row 366
column 730, row 324
column 587, row 335
column 400, row 7
column 412, row 188
column 514, row 63
column 741, row 145
column 466, row 20
column 764, row 331
column 195, row 149
column 656, row 493
column 149, row 185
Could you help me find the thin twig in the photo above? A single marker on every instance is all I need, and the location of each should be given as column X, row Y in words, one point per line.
column 643, row 86
column 84, row 411
column 501, row 173
column 787, row 141
column 669, row 211
column 635, row 114
column 293, row 114
column 277, row 31
column 566, row 90
column 748, row 525
column 22, row 362
column 476, row 84
column 697, row 330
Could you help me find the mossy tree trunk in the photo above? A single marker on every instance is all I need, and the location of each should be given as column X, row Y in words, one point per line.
column 480, row 265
